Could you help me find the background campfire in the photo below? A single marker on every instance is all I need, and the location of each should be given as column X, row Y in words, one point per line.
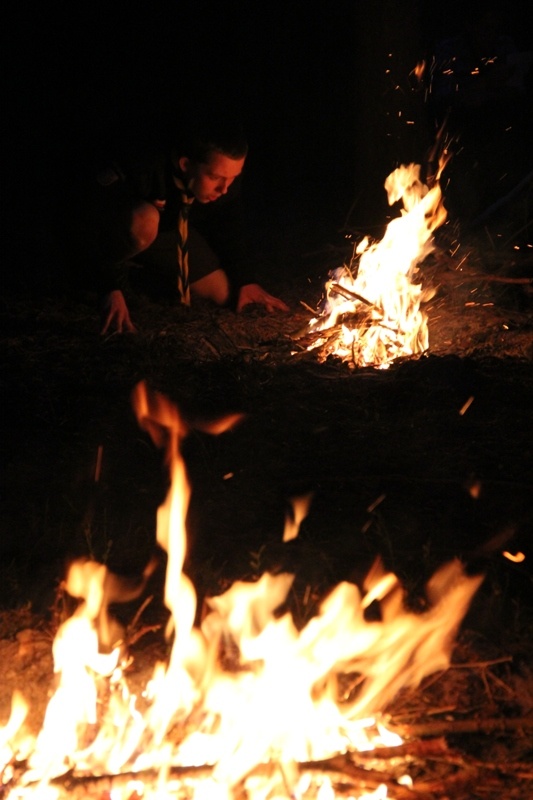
column 371, row 313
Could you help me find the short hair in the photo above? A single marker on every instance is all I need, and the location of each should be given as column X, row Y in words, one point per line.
column 211, row 133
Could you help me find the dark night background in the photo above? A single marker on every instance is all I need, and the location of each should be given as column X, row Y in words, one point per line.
column 395, row 468
column 320, row 87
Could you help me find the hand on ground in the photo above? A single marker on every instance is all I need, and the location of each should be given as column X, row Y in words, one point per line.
column 254, row 293
column 115, row 314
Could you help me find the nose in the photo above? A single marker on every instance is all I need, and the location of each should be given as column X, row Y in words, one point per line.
column 223, row 186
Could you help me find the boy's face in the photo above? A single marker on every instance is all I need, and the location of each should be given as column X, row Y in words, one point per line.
column 209, row 181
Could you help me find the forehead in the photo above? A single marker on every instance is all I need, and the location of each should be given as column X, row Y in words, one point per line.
column 223, row 166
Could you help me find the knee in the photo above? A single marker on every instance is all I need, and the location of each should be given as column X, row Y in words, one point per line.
column 144, row 226
column 221, row 290
column 214, row 287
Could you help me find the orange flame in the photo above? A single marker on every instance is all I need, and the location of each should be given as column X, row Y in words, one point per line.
column 279, row 703
column 516, row 557
column 380, row 291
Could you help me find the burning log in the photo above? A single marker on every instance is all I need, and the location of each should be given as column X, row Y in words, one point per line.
column 343, row 291
column 345, row 775
column 348, row 772
column 349, row 777
column 454, row 727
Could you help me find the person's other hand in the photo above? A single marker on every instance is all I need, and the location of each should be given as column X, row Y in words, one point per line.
column 254, row 293
column 115, row 314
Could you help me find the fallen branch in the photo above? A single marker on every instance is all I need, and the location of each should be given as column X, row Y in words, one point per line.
column 210, row 346
column 502, row 200
column 416, row 748
column 234, row 345
column 342, row 768
column 450, row 728
column 364, row 778
column 480, row 276
column 84, row 785
column 437, row 749
column 488, row 548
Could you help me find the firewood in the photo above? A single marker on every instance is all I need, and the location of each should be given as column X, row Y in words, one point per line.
column 461, row 277
column 336, row 288
column 454, row 727
column 416, row 748
column 364, row 778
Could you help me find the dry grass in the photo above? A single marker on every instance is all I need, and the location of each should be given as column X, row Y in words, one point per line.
column 82, row 479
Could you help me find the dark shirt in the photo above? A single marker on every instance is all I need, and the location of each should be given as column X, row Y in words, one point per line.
column 221, row 222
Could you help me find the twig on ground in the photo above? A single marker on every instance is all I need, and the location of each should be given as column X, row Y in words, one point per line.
column 210, row 346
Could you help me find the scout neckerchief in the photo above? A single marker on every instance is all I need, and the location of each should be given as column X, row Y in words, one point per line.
column 183, row 250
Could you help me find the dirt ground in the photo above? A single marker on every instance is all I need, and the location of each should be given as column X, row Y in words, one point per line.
column 444, row 441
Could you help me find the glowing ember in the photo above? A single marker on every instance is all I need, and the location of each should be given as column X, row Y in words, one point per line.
column 516, row 557
column 371, row 313
column 246, row 704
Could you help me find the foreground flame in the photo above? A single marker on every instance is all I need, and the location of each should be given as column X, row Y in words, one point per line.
column 280, row 702
column 371, row 313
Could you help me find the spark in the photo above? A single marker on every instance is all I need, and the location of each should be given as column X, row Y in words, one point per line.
column 517, row 558
column 466, row 406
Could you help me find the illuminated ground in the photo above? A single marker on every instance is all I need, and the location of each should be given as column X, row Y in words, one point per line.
column 349, row 437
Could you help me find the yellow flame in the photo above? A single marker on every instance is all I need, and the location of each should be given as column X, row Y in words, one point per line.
column 381, row 289
column 245, row 692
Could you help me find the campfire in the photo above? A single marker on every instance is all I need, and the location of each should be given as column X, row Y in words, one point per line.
column 371, row 313
column 247, row 704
